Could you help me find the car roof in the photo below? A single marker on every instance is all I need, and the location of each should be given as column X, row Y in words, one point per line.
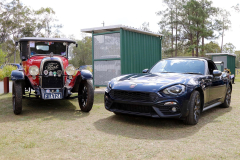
column 46, row 39
column 199, row 58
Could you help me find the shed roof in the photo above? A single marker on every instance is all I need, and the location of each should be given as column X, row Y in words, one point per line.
column 220, row 54
column 117, row 28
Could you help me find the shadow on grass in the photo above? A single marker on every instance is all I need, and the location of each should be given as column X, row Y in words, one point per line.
column 37, row 108
column 154, row 128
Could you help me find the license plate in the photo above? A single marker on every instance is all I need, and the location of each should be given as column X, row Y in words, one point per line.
column 52, row 95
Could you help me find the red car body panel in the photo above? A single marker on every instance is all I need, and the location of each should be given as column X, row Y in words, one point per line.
column 36, row 60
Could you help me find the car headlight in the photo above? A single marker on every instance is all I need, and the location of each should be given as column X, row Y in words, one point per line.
column 70, row 69
column 33, row 70
column 175, row 90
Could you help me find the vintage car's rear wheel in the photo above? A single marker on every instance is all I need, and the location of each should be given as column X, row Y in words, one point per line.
column 194, row 109
column 86, row 96
column 17, row 97
column 227, row 99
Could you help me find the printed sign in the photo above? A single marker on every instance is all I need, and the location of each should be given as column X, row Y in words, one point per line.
column 32, row 44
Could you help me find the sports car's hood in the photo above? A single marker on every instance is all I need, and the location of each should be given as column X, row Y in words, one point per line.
column 151, row 82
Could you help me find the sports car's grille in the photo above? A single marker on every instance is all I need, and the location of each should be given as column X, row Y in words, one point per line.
column 133, row 108
column 166, row 110
column 133, row 96
column 50, row 80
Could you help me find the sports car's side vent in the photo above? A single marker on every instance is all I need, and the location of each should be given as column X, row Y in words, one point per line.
column 133, row 96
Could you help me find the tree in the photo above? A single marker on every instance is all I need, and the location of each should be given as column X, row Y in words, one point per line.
column 196, row 23
column 212, row 47
column 2, row 56
column 223, row 24
column 145, row 26
column 170, row 23
column 17, row 20
column 82, row 55
column 228, row 48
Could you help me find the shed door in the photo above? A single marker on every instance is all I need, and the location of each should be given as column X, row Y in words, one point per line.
column 107, row 59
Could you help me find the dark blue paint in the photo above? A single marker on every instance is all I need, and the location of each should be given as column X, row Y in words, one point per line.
column 86, row 75
column 17, row 75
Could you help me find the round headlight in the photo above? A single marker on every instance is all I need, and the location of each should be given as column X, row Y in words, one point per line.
column 70, row 70
column 33, row 70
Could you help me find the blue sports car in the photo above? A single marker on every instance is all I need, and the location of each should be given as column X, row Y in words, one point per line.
column 173, row 88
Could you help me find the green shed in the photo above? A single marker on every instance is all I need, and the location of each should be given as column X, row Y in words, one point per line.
column 227, row 58
column 120, row 49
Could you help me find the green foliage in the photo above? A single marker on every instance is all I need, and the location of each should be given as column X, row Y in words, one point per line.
column 237, row 59
column 89, row 68
column 212, row 47
column 185, row 24
column 228, row 48
column 1, row 75
column 6, row 71
column 2, row 56
column 82, row 55
column 17, row 20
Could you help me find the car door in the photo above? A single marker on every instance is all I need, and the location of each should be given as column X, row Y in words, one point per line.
column 218, row 86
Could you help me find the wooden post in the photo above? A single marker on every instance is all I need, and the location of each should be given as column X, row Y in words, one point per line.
column 6, row 85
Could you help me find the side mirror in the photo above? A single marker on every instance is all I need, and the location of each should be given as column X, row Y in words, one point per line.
column 145, row 71
column 16, row 43
column 217, row 73
column 76, row 45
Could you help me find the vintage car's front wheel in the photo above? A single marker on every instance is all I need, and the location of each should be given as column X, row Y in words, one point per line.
column 227, row 100
column 86, row 95
column 194, row 109
column 17, row 97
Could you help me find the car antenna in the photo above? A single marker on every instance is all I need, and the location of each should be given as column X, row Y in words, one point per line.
column 51, row 54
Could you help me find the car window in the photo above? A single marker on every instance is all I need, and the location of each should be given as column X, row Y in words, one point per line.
column 211, row 67
column 179, row 66
column 57, row 48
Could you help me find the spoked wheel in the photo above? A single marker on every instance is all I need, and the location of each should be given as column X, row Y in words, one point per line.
column 86, row 96
column 17, row 97
column 227, row 100
column 194, row 109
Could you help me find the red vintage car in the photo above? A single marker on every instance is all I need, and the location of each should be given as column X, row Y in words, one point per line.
column 45, row 70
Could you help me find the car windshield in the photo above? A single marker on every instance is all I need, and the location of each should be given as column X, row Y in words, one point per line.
column 187, row 66
column 57, row 48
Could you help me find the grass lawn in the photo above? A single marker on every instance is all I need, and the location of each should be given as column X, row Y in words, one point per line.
column 58, row 130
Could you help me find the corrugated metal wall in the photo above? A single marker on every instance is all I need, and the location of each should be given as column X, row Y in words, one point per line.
column 231, row 64
column 138, row 51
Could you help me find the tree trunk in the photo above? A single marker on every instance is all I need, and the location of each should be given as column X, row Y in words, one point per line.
column 172, row 42
column 176, row 34
column 222, row 36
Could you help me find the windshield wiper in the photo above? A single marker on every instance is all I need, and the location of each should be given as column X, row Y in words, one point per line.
column 192, row 73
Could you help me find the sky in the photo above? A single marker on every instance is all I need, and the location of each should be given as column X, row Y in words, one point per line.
column 75, row 15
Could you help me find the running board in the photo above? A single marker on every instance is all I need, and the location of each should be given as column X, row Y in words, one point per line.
column 211, row 106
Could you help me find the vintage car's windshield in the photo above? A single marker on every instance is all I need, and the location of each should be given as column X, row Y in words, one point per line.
column 188, row 66
column 57, row 48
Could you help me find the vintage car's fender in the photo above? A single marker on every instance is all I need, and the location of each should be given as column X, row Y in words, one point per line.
column 17, row 75
column 86, row 74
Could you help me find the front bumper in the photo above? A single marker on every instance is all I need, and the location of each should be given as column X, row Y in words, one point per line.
column 157, row 109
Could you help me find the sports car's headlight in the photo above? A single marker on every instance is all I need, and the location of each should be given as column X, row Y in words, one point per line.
column 175, row 90
column 33, row 70
column 70, row 69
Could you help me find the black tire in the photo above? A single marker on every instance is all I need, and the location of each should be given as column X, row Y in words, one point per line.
column 17, row 97
column 86, row 96
column 117, row 113
column 194, row 106
column 227, row 99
